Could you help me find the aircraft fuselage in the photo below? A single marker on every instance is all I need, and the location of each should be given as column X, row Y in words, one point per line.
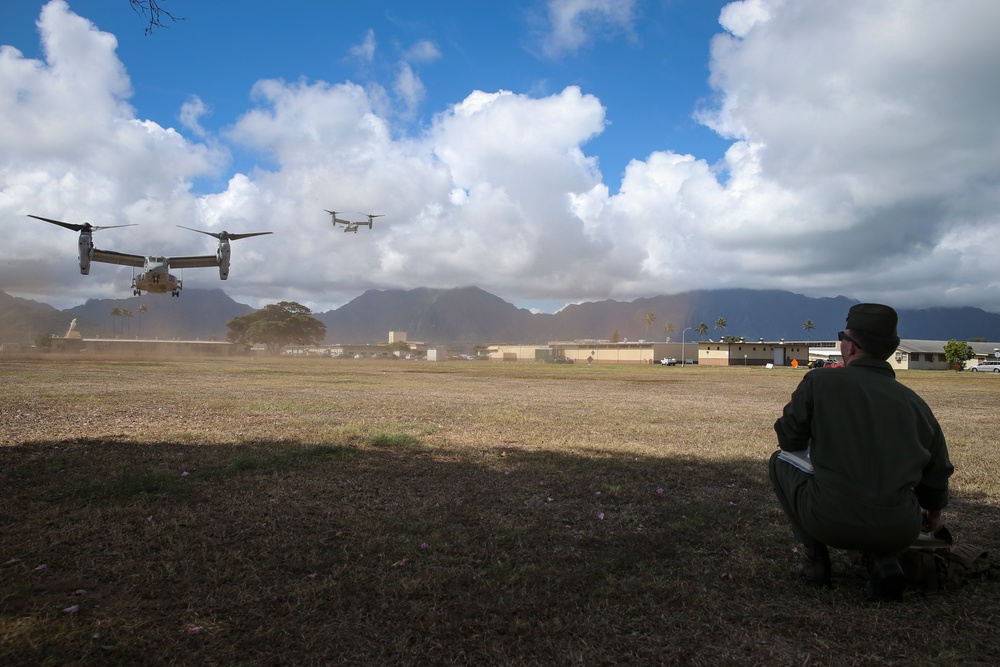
column 156, row 278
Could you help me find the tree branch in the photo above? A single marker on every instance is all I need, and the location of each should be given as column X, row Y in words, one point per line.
column 156, row 14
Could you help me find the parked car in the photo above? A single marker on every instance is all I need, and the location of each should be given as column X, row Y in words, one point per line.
column 987, row 367
column 668, row 361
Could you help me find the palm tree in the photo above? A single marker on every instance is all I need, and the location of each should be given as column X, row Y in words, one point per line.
column 808, row 326
column 702, row 329
column 116, row 312
column 140, row 311
column 720, row 324
column 127, row 316
column 648, row 319
column 668, row 329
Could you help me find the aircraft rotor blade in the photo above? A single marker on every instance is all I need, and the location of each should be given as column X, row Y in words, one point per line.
column 78, row 228
column 224, row 235
column 237, row 237
column 191, row 229
column 97, row 227
column 67, row 225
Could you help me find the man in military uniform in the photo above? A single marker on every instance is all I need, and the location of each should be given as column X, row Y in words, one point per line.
column 862, row 462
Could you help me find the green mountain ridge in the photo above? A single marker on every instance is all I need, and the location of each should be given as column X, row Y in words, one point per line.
column 467, row 316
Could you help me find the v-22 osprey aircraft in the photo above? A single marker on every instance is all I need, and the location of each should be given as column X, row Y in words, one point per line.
column 351, row 226
column 155, row 276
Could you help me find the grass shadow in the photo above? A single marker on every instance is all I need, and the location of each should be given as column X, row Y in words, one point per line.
column 380, row 550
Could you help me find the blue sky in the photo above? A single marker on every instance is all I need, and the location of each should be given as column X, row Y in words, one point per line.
column 549, row 152
column 650, row 73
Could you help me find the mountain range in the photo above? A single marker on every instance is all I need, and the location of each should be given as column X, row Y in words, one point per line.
column 468, row 316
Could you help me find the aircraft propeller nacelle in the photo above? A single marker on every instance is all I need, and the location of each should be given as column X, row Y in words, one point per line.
column 86, row 254
column 223, row 255
column 86, row 242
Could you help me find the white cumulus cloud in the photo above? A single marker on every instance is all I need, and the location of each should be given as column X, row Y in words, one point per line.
column 863, row 161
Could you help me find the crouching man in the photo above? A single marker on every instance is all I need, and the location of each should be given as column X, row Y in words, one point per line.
column 862, row 460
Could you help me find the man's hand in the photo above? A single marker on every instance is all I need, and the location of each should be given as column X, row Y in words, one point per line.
column 932, row 520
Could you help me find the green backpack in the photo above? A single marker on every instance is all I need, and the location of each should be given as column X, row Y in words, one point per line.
column 934, row 563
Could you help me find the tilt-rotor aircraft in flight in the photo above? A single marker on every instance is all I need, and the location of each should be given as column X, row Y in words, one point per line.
column 155, row 276
column 350, row 226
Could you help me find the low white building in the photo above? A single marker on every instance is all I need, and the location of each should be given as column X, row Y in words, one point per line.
column 437, row 354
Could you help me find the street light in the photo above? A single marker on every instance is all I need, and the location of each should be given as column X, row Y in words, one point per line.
column 683, row 358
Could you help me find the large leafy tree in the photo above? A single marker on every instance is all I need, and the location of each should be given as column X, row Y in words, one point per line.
column 44, row 341
column 277, row 325
column 957, row 352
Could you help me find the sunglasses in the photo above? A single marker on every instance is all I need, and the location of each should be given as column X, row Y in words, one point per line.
column 841, row 336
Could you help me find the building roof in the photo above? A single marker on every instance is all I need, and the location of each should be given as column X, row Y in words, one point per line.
column 937, row 346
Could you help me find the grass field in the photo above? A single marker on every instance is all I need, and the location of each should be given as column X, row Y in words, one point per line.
column 311, row 512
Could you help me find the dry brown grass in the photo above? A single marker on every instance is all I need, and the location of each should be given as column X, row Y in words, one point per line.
column 342, row 512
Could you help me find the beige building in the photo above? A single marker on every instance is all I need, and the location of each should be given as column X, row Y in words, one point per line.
column 759, row 353
column 143, row 348
column 912, row 354
column 929, row 354
column 587, row 351
column 706, row 353
column 140, row 348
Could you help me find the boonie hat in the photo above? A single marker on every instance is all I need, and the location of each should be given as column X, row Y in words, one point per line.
column 874, row 319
